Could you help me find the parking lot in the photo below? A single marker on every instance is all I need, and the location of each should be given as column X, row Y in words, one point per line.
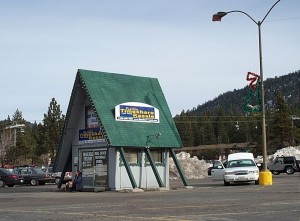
column 206, row 201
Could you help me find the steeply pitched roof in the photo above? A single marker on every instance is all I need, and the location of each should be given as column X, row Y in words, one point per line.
column 106, row 90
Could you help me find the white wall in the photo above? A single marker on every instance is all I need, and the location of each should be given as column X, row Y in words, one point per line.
column 143, row 173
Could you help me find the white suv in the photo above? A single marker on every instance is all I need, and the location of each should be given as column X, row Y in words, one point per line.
column 240, row 167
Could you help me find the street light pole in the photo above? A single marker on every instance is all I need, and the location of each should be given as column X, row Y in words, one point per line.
column 265, row 176
column 263, row 111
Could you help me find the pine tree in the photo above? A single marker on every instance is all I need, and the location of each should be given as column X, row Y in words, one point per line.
column 184, row 127
column 15, row 152
column 220, row 129
column 209, row 132
column 281, row 125
column 53, row 125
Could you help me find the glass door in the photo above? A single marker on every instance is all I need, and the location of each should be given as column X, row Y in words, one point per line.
column 94, row 167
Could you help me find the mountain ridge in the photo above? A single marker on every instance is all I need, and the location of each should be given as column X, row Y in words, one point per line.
column 233, row 101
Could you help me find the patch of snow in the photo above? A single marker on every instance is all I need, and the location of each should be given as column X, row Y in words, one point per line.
column 192, row 167
column 287, row 151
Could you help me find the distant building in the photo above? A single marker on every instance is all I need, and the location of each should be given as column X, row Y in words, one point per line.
column 119, row 132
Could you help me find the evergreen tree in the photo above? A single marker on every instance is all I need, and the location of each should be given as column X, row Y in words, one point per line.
column 18, row 117
column 53, row 126
column 220, row 128
column 184, row 127
column 209, row 132
column 26, row 147
column 197, row 130
column 281, row 125
column 38, row 131
column 22, row 144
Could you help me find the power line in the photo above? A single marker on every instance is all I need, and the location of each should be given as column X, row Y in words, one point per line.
column 284, row 19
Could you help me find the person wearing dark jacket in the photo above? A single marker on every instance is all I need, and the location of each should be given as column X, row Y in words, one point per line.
column 78, row 182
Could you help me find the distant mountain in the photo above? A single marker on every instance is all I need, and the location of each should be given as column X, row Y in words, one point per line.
column 233, row 101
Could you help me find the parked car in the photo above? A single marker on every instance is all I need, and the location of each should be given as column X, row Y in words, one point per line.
column 240, row 167
column 67, row 177
column 49, row 172
column 9, row 178
column 34, row 176
column 284, row 164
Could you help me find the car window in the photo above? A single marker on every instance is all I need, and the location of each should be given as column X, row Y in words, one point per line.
column 50, row 170
column 279, row 160
column 216, row 164
column 240, row 163
column 7, row 171
column 25, row 171
column 288, row 160
column 37, row 170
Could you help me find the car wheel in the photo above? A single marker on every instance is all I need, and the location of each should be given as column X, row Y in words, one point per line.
column 289, row 170
column 256, row 182
column 11, row 185
column 2, row 183
column 226, row 183
column 34, row 182
column 275, row 172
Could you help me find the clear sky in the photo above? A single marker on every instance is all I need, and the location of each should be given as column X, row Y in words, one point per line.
column 43, row 43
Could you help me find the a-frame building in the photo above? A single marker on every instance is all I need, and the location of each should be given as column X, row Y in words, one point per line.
column 119, row 132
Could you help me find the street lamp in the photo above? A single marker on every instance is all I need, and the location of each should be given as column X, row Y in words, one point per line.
column 265, row 175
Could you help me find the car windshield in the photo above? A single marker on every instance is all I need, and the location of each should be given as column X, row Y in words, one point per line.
column 240, row 163
column 37, row 170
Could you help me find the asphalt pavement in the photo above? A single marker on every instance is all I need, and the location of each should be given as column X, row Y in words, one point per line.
column 203, row 201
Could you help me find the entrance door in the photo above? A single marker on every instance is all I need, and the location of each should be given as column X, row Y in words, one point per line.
column 93, row 165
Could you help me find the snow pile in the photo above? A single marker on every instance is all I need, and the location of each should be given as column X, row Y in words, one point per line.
column 287, row 151
column 194, row 168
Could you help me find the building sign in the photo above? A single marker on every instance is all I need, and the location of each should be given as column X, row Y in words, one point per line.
column 136, row 112
column 91, row 135
column 91, row 120
column 100, row 168
column 87, row 159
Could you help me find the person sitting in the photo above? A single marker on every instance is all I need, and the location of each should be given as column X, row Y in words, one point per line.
column 77, row 184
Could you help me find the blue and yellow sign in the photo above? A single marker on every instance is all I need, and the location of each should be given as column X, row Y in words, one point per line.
column 136, row 112
column 91, row 135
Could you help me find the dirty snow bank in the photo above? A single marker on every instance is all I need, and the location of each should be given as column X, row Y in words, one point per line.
column 287, row 151
column 193, row 167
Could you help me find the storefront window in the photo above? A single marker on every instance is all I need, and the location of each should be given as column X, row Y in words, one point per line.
column 156, row 155
column 131, row 155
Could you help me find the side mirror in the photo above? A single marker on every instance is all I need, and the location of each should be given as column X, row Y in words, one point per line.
column 220, row 167
column 259, row 164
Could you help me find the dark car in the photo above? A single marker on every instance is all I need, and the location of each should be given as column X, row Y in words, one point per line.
column 10, row 178
column 34, row 176
column 49, row 172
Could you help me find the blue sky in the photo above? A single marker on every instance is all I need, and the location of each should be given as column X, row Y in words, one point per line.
column 43, row 43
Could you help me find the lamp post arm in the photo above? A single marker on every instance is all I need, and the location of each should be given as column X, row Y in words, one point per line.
column 259, row 22
column 244, row 14
column 269, row 11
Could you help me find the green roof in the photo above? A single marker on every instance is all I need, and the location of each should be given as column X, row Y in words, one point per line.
column 107, row 90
